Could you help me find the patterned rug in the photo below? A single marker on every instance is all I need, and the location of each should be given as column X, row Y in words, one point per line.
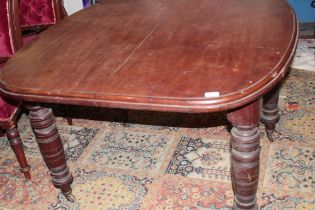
column 153, row 160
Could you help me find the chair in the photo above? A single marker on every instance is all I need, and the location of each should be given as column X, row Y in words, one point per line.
column 37, row 15
column 40, row 14
column 29, row 14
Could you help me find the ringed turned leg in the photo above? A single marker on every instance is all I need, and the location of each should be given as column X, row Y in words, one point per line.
column 245, row 154
column 17, row 147
column 50, row 145
column 270, row 115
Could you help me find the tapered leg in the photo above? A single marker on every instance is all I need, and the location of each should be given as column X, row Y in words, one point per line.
column 68, row 115
column 17, row 147
column 1, row 133
column 245, row 154
column 270, row 116
column 50, row 145
column 123, row 116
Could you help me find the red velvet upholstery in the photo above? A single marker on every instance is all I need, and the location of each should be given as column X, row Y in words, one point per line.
column 32, row 12
column 12, row 14
column 8, row 108
column 36, row 13
column 6, row 45
column 29, row 38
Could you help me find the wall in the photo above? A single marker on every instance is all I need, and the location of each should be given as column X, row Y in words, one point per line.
column 304, row 10
column 72, row 6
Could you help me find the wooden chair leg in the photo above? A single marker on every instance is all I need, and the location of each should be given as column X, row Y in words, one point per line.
column 17, row 147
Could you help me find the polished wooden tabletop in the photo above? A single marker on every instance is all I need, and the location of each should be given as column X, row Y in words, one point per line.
column 168, row 55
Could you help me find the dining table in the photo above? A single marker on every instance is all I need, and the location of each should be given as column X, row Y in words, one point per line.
column 186, row 56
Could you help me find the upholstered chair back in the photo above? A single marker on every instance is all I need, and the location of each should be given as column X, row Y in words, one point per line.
column 16, row 15
column 34, row 13
column 10, row 31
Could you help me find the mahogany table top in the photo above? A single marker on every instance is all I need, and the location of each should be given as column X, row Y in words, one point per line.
column 167, row 55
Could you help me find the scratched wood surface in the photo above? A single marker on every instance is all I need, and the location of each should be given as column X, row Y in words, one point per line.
column 179, row 55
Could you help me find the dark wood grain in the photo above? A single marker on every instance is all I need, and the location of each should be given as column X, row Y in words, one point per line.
column 59, row 10
column 158, row 55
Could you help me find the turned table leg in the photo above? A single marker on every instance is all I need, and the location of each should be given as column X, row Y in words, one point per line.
column 245, row 154
column 270, row 116
column 17, row 147
column 50, row 145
